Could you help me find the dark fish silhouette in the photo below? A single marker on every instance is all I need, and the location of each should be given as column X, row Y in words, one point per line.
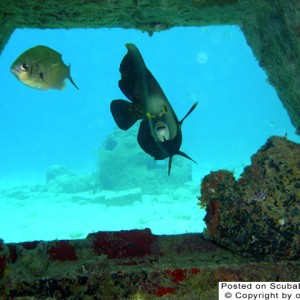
column 160, row 131
column 41, row 68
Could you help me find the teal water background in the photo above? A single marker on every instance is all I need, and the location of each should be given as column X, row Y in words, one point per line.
column 238, row 110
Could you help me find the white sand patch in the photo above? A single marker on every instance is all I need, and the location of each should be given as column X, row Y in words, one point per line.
column 31, row 213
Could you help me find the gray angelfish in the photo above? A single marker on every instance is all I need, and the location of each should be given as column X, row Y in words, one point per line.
column 160, row 132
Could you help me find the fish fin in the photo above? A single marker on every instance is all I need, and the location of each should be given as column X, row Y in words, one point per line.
column 169, row 165
column 147, row 142
column 61, row 86
column 136, row 80
column 124, row 113
column 186, row 156
column 188, row 113
column 133, row 75
column 179, row 153
column 70, row 78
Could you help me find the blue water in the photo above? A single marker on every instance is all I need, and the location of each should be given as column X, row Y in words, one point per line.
column 238, row 109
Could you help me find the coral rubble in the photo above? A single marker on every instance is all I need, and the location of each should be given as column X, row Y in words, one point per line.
column 60, row 179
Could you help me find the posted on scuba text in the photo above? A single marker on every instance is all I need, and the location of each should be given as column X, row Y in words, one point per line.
column 259, row 290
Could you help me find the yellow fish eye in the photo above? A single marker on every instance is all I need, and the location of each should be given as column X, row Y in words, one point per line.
column 24, row 67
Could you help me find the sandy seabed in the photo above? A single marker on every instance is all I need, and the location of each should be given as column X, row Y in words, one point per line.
column 30, row 211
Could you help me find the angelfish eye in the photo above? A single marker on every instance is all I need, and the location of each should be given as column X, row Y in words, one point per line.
column 24, row 67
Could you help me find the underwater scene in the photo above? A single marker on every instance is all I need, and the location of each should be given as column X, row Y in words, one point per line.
column 76, row 160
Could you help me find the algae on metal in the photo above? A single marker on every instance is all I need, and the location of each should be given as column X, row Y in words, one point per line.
column 272, row 28
column 184, row 266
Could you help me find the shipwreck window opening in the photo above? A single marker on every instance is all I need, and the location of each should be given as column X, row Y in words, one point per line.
column 57, row 180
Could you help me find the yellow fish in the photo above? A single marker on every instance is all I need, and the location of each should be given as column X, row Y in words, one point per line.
column 41, row 68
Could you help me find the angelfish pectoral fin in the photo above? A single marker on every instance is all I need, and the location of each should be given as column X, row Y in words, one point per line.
column 181, row 154
column 124, row 113
column 186, row 156
column 189, row 112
